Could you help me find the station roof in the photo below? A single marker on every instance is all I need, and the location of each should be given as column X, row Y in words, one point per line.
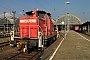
column 86, row 23
column 69, row 18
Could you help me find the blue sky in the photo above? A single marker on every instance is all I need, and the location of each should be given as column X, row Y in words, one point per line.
column 79, row 8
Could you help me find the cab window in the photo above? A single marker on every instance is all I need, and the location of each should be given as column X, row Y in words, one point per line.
column 29, row 13
column 41, row 15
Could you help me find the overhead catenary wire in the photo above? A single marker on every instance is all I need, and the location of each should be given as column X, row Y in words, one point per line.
column 5, row 8
column 51, row 7
column 12, row 9
column 41, row 5
column 26, row 7
column 49, row 4
column 3, row 15
column 20, row 4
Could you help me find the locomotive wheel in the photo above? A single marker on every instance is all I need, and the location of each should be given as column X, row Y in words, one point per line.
column 12, row 43
column 35, row 48
column 29, row 50
column 50, row 42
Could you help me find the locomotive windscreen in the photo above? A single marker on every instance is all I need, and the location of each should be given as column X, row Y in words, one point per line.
column 41, row 14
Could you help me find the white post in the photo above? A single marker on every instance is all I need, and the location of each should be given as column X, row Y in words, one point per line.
column 40, row 39
column 65, row 18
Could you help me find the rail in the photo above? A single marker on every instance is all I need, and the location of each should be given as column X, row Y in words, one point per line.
column 25, row 56
column 4, row 44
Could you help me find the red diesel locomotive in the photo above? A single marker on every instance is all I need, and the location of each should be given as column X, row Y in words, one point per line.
column 36, row 30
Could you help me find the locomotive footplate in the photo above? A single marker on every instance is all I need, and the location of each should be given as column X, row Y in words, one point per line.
column 22, row 45
column 26, row 44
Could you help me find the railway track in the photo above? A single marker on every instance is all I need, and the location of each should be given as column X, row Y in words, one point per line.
column 25, row 56
column 4, row 44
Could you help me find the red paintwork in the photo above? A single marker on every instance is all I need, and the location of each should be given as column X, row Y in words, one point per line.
column 76, row 28
column 30, row 25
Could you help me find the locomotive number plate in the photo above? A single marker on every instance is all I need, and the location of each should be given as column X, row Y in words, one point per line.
column 28, row 20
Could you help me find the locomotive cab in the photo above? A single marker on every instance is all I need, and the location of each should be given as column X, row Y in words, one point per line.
column 35, row 30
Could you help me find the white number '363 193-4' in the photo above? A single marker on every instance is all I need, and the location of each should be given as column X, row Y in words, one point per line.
column 28, row 20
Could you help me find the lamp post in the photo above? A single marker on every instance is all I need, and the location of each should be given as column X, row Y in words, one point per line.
column 65, row 18
column 68, row 24
column 14, row 12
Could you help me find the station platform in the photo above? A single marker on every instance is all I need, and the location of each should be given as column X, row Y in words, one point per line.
column 74, row 47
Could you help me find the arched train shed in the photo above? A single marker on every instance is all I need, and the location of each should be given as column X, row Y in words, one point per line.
column 70, row 21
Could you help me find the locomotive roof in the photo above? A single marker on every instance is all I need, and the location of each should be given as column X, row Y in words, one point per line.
column 29, row 12
column 41, row 11
column 48, row 14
